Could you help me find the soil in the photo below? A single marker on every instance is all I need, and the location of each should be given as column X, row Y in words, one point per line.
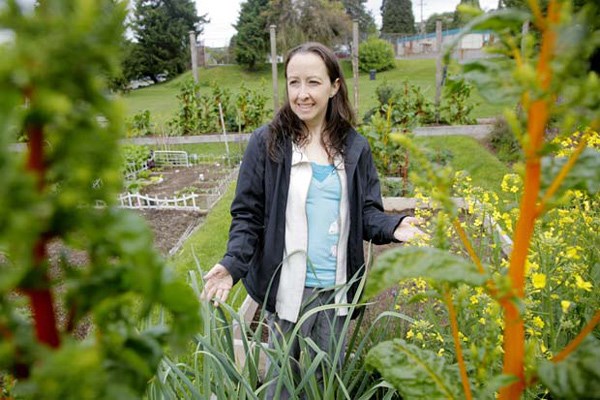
column 198, row 178
column 169, row 227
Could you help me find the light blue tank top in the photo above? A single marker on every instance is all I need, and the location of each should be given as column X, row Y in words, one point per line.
column 322, row 211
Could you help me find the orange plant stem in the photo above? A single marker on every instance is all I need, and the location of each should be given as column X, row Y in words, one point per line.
column 514, row 329
column 459, row 355
column 465, row 240
column 578, row 339
column 467, row 243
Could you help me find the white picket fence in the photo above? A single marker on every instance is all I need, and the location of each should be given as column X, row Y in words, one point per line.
column 202, row 202
column 136, row 200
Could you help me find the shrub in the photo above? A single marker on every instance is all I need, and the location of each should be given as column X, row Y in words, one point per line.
column 456, row 108
column 376, row 54
column 139, row 124
column 409, row 107
column 504, row 143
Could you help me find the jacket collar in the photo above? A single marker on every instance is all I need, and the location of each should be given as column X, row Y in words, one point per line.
column 298, row 156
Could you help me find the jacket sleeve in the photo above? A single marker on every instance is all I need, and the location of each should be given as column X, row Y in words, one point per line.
column 377, row 226
column 247, row 210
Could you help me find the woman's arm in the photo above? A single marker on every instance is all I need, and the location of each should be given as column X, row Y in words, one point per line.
column 245, row 232
column 379, row 227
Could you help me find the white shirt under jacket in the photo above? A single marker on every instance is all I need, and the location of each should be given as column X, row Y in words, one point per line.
column 293, row 270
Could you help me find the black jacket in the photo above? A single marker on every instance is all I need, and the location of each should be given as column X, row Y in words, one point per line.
column 256, row 236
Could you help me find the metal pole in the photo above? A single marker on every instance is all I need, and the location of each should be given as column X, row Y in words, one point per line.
column 274, row 68
column 355, row 61
column 194, row 53
column 438, row 68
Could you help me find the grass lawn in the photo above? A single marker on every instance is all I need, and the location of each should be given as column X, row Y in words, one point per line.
column 162, row 102
column 483, row 167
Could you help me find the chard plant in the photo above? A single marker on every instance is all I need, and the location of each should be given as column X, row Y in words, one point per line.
column 456, row 107
column 536, row 310
column 251, row 109
column 54, row 68
column 140, row 124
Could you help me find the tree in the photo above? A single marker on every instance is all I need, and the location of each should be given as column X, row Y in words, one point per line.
column 397, row 16
column 252, row 39
column 447, row 21
column 325, row 21
column 303, row 20
column 460, row 19
column 356, row 10
column 161, row 29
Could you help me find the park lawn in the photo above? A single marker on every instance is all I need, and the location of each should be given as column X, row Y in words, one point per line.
column 485, row 169
column 217, row 150
column 161, row 99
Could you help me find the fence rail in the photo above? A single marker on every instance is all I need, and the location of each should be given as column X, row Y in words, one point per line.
column 201, row 202
column 137, row 200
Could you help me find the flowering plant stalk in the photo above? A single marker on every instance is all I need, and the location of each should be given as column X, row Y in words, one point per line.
column 552, row 84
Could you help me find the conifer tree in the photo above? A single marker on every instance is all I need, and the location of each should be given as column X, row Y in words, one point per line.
column 161, row 29
column 397, row 16
column 252, row 38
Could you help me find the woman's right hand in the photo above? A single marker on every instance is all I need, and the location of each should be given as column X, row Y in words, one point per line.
column 217, row 285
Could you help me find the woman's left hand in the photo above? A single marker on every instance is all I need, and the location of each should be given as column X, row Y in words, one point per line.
column 407, row 230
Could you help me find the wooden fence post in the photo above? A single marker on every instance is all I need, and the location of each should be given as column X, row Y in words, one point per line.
column 274, row 69
column 355, row 61
column 438, row 68
column 194, row 54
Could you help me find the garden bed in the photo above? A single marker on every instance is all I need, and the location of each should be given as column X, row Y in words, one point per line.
column 172, row 181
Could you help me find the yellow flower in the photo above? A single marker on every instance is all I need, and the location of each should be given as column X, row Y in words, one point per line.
column 538, row 280
column 573, row 252
column 581, row 284
column 543, row 347
column 538, row 322
column 565, row 304
column 419, row 336
column 440, row 352
column 531, row 266
column 410, row 334
column 482, row 321
column 474, row 300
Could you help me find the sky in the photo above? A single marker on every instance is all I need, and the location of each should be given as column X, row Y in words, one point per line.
column 224, row 13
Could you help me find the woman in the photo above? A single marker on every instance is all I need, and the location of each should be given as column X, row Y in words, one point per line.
column 307, row 196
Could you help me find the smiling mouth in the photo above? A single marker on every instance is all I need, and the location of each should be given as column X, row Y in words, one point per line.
column 304, row 106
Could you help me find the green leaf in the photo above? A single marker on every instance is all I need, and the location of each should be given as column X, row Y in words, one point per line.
column 493, row 80
column 416, row 373
column 584, row 175
column 577, row 376
column 420, row 262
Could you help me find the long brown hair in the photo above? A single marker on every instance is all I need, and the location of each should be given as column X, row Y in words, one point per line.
column 339, row 117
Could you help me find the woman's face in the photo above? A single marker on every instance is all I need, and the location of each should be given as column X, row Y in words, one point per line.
column 309, row 88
